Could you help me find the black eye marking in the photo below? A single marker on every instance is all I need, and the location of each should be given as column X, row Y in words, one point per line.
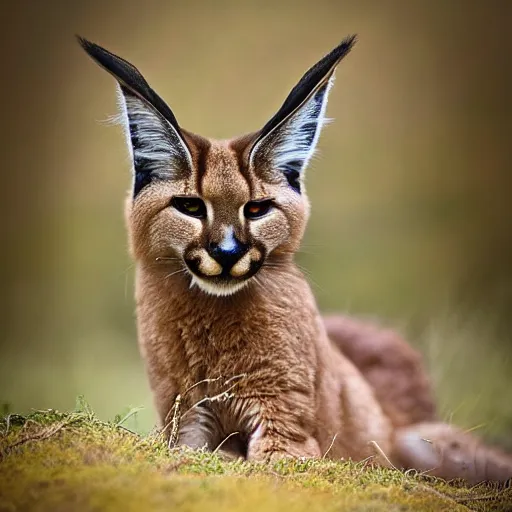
column 191, row 206
column 257, row 209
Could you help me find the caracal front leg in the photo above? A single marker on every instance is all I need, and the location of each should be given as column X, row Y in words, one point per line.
column 198, row 429
column 283, row 432
column 266, row 445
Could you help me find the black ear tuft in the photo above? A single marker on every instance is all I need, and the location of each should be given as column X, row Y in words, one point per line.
column 128, row 76
column 312, row 78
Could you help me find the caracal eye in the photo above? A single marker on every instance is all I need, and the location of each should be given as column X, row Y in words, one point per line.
column 256, row 209
column 191, row 206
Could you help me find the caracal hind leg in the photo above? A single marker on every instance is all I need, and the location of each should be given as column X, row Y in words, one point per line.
column 392, row 368
column 352, row 424
column 448, row 452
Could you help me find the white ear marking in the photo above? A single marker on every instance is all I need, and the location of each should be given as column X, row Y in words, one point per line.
column 122, row 119
column 156, row 147
column 297, row 146
column 159, row 143
column 293, row 142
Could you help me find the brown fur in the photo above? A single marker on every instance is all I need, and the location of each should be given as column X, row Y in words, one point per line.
column 391, row 366
column 228, row 326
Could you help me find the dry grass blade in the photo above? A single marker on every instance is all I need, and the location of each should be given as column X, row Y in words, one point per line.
column 382, row 454
column 330, row 446
column 224, row 441
column 220, row 397
column 175, row 422
column 39, row 436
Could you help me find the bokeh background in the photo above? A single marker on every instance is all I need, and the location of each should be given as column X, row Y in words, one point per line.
column 411, row 192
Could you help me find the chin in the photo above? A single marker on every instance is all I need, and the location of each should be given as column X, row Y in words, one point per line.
column 218, row 288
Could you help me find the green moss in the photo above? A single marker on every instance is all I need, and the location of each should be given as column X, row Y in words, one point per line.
column 73, row 461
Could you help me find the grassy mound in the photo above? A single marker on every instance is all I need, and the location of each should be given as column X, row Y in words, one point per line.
column 73, row 461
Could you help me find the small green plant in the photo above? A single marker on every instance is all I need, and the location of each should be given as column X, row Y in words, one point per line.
column 5, row 408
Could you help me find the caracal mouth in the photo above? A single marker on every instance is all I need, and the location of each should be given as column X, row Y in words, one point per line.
column 218, row 286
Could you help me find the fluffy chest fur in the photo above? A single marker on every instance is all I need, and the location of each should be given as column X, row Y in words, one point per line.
column 202, row 347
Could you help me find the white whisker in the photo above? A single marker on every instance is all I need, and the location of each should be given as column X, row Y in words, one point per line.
column 175, row 272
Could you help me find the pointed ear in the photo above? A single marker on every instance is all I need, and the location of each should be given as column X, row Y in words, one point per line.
column 286, row 143
column 156, row 143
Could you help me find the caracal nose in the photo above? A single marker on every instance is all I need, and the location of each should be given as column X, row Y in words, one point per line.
column 227, row 256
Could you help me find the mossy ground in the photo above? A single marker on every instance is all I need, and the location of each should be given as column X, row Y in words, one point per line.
column 73, row 461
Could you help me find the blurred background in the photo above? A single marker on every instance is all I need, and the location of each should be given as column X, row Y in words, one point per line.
column 411, row 191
